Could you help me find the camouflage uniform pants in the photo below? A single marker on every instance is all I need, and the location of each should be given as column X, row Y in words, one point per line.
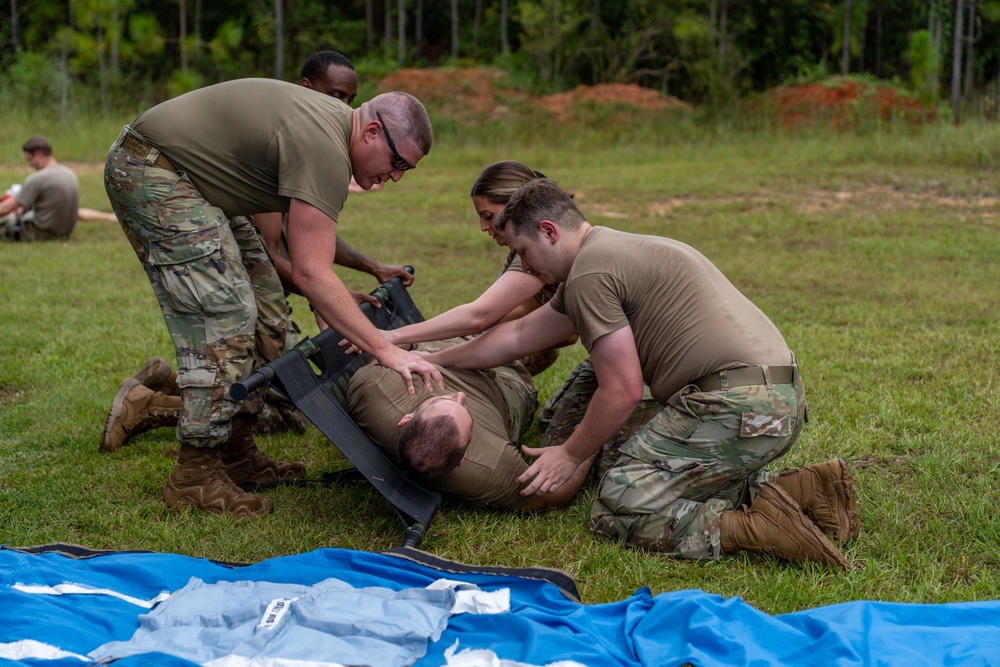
column 21, row 228
column 564, row 411
column 703, row 454
column 218, row 291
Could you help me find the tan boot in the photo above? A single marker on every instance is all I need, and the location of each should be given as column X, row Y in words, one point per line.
column 199, row 479
column 775, row 525
column 137, row 409
column 245, row 464
column 159, row 376
column 825, row 491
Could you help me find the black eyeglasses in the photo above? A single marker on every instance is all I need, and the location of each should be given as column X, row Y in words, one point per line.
column 397, row 160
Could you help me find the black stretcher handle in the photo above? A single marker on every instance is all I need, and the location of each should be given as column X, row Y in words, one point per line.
column 260, row 377
column 414, row 535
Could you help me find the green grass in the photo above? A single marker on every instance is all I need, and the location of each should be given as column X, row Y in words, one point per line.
column 876, row 255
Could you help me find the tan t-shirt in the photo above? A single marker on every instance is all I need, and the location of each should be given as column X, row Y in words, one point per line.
column 250, row 145
column 501, row 402
column 688, row 320
column 53, row 193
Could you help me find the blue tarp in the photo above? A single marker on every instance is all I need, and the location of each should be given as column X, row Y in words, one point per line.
column 544, row 624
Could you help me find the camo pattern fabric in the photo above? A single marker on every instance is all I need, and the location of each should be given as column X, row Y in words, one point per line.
column 564, row 411
column 10, row 230
column 703, row 454
column 20, row 228
column 219, row 293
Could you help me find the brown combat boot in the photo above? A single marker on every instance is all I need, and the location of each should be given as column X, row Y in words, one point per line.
column 245, row 464
column 159, row 376
column 137, row 409
column 199, row 479
column 825, row 492
column 775, row 525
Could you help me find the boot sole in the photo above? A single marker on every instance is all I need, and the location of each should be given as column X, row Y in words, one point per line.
column 115, row 412
column 853, row 527
column 842, row 526
column 154, row 379
column 830, row 551
column 238, row 513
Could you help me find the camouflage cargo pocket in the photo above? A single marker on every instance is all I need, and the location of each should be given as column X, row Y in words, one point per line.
column 192, row 272
column 775, row 424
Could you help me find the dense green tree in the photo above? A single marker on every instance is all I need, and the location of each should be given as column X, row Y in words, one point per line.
column 705, row 51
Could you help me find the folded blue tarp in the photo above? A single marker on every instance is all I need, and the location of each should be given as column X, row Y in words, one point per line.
column 545, row 623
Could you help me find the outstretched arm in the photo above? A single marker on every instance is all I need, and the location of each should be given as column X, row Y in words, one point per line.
column 505, row 342
column 506, row 294
column 349, row 257
column 93, row 215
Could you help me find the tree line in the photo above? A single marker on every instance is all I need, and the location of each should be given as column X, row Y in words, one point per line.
column 710, row 52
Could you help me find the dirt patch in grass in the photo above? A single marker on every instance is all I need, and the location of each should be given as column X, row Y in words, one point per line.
column 814, row 201
column 883, row 197
column 9, row 395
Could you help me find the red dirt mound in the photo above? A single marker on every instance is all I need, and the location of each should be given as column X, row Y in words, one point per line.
column 468, row 94
column 478, row 93
column 611, row 94
column 843, row 103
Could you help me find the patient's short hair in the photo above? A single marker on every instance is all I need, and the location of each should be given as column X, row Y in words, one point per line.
column 431, row 446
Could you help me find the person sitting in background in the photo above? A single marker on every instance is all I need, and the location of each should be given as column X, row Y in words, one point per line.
column 46, row 206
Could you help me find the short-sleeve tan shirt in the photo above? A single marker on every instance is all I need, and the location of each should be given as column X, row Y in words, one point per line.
column 688, row 320
column 250, row 145
column 53, row 193
column 501, row 402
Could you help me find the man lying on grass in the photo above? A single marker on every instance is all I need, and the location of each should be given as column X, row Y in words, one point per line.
column 691, row 482
column 461, row 443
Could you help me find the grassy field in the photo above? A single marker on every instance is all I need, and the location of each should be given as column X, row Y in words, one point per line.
column 876, row 256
